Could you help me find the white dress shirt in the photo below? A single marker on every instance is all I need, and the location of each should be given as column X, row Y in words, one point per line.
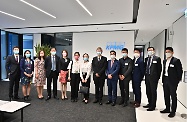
column 75, row 68
column 167, row 65
column 85, row 67
column 17, row 56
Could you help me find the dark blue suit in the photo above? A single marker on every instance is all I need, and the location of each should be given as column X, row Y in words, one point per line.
column 112, row 83
column 137, row 77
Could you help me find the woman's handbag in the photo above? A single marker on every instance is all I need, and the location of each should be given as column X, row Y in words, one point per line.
column 83, row 90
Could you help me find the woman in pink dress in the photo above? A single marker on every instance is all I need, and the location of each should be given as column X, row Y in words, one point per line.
column 40, row 76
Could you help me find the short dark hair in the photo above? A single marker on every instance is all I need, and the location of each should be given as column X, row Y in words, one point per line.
column 169, row 48
column 39, row 57
column 66, row 52
column 25, row 53
column 77, row 53
column 85, row 54
column 52, row 48
column 125, row 49
column 15, row 47
column 136, row 49
column 150, row 47
column 112, row 51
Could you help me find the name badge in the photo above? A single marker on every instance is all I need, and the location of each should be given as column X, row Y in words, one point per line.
column 126, row 64
column 154, row 62
column 136, row 65
column 171, row 65
column 66, row 60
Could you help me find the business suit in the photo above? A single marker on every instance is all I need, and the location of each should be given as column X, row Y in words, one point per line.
column 52, row 75
column 99, row 66
column 13, row 70
column 137, row 76
column 170, row 82
column 126, row 65
column 152, row 75
column 113, row 69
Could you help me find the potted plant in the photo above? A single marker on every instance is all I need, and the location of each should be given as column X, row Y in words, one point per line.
column 46, row 48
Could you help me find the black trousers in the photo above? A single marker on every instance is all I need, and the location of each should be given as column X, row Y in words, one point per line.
column 75, row 80
column 14, row 84
column 151, row 91
column 124, row 88
column 136, row 85
column 52, row 77
column 87, row 84
column 99, row 84
column 170, row 90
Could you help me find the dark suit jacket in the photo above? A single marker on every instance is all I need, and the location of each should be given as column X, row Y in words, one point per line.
column 12, row 66
column 23, row 67
column 126, row 66
column 155, row 68
column 174, row 71
column 114, row 70
column 138, row 70
column 99, row 67
column 48, row 65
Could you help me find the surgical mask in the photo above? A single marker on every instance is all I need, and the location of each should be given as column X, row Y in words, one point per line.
column 98, row 53
column 85, row 59
column 124, row 54
column 136, row 55
column 76, row 57
column 16, row 51
column 168, row 55
column 112, row 56
column 27, row 55
column 64, row 54
column 53, row 53
column 150, row 53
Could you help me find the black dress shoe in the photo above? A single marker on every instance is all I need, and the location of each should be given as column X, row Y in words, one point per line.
column 10, row 99
column 125, row 104
column 113, row 104
column 171, row 115
column 165, row 111
column 96, row 101
column 100, row 103
column 75, row 100
column 109, row 102
column 48, row 98
column 150, row 109
column 121, row 102
column 55, row 97
column 16, row 98
column 146, row 106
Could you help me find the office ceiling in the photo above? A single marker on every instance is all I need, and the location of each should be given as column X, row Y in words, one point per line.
column 108, row 15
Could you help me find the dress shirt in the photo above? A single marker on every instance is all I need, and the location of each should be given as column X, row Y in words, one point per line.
column 17, row 57
column 85, row 67
column 167, row 65
column 75, row 68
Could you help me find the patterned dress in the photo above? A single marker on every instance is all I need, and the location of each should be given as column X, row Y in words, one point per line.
column 41, row 80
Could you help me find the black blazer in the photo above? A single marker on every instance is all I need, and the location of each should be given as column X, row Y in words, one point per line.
column 174, row 71
column 12, row 66
column 126, row 66
column 48, row 65
column 99, row 66
column 155, row 68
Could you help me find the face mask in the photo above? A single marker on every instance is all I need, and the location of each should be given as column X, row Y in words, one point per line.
column 53, row 53
column 28, row 55
column 76, row 57
column 85, row 59
column 64, row 54
column 150, row 53
column 136, row 55
column 124, row 54
column 112, row 56
column 98, row 53
column 16, row 51
column 168, row 55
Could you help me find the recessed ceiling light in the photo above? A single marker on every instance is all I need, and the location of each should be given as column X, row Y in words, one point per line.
column 84, row 8
column 38, row 9
column 11, row 15
column 167, row 4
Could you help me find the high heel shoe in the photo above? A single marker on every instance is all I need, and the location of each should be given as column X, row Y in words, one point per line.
column 86, row 102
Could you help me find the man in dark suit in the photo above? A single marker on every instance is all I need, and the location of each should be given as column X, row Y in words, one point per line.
column 172, row 74
column 13, row 70
column 52, row 72
column 99, row 65
column 112, row 78
column 125, row 75
column 152, row 75
column 137, row 76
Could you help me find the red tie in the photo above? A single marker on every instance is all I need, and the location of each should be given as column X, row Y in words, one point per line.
column 112, row 63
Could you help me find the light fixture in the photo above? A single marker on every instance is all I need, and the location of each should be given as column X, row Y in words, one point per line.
column 11, row 15
column 38, row 8
column 84, row 8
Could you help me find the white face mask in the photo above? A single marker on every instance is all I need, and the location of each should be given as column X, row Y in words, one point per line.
column 112, row 56
column 124, row 54
column 150, row 53
column 136, row 55
column 98, row 53
column 168, row 55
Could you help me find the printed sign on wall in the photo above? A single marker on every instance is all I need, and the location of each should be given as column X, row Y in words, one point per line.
column 115, row 45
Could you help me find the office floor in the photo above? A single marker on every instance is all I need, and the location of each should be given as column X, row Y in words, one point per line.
column 66, row 111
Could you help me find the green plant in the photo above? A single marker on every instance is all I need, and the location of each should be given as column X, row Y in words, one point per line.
column 45, row 48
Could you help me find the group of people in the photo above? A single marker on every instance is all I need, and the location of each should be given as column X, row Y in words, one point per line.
column 75, row 71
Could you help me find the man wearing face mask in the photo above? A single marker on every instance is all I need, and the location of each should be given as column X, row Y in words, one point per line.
column 137, row 76
column 14, row 72
column 152, row 75
column 112, row 78
column 172, row 75
column 99, row 65
column 125, row 75
column 52, row 72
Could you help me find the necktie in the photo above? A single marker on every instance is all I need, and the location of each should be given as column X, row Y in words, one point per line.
column 112, row 62
column 99, row 59
column 53, row 64
column 17, row 59
column 148, row 65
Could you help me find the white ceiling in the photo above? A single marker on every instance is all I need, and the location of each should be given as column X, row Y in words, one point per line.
column 153, row 16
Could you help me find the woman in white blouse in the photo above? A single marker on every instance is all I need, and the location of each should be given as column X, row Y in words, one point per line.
column 85, row 71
